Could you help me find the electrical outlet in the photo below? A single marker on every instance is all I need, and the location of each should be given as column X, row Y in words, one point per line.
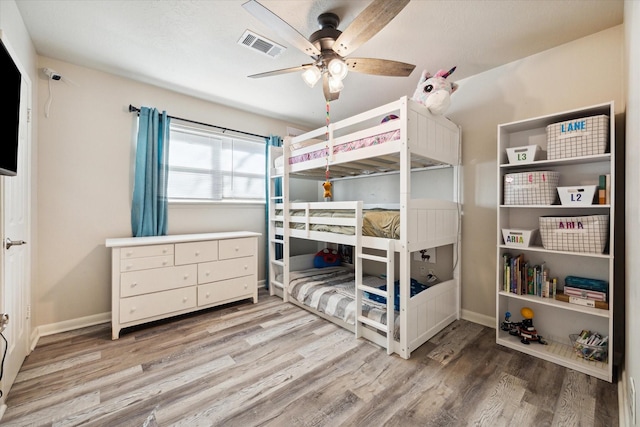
column 632, row 401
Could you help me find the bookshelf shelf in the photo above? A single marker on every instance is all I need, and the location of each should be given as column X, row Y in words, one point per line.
column 558, row 352
column 553, row 319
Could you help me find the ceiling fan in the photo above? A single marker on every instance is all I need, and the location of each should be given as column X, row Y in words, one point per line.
column 329, row 47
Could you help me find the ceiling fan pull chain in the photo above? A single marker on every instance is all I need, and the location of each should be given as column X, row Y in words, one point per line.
column 327, row 142
column 327, row 184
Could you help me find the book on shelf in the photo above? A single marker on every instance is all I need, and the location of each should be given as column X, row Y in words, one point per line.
column 523, row 278
column 604, row 189
column 585, row 293
column 560, row 296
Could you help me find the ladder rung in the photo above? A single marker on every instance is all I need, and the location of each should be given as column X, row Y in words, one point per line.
column 279, row 241
column 276, row 284
column 379, row 326
column 374, row 257
column 277, row 262
column 372, row 290
column 276, row 198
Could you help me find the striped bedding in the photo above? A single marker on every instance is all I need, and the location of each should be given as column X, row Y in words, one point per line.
column 331, row 291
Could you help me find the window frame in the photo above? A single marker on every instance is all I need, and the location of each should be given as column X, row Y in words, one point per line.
column 226, row 136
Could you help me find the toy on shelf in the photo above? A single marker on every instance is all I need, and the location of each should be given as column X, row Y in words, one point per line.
column 524, row 329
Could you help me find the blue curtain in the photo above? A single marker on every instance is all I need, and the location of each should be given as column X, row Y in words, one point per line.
column 149, row 204
column 272, row 141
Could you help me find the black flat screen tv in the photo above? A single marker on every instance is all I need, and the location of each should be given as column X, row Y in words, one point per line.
column 10, row 119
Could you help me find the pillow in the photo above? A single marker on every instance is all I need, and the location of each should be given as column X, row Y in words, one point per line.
column 327, row 258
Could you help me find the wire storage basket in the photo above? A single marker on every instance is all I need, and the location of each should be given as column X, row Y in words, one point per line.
column 531, row 188
column 588, row 233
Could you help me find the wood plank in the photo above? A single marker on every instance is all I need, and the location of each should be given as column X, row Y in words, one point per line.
column 274, row 364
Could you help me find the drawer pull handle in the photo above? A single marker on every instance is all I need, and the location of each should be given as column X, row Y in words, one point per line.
column 164, row 262
column 197, row 253
column 164, row 250
column 129, row 253
column 134, row 284
column 128, row 267
column 237, row 249
column 246, row 286
column 207, row 273
column 133, row 309
column 184, row 299
column 246, row 267
column 186, row 276
column 207, row 295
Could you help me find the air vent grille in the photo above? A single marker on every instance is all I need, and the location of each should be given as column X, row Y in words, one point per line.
column 258, row 43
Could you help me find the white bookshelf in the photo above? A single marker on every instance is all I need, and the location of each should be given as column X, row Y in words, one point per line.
column 553, row 319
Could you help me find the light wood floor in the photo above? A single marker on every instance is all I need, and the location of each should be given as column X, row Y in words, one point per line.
column 274, row 364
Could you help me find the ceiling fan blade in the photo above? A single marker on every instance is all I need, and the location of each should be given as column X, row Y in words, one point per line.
column 282, row 71
column 379, row 67
column 328, row 95
column 367, row 24
column 285, row 30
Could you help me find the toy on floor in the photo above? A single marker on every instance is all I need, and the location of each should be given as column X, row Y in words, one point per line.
column 524, row 329
column 434, row 92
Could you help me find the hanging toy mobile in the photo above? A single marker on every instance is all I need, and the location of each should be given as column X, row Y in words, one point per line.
column 326, row 185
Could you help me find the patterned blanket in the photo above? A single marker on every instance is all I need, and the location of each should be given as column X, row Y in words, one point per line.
column 331, row 291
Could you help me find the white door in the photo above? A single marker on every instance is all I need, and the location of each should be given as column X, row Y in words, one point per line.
column 15, row 280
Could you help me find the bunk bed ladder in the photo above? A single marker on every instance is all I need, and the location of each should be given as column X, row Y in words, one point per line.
column 276, row 200
column 389, row 294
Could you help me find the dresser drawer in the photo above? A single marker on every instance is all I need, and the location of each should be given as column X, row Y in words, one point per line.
column 226, row 269
column 156, row 304
column 224, row 290
column 159, row 279
column 236, row 248
column 194, row 252
column 145, row 251
column 134, row 264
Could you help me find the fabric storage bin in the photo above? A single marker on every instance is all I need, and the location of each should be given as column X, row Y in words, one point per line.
column 525, row 154
column 530, row 188
column 586, row 136
column 518, row 238
column 577, row 196
column 587, row 233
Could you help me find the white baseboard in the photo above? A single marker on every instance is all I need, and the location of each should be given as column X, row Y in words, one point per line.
column 623, row 399
column 482, row 319
column 68, row 325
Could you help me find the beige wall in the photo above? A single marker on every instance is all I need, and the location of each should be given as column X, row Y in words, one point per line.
column 632, row 347
column 585, row 72
column 84, row 184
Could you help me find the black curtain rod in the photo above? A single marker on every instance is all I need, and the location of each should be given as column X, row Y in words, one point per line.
column 137, row 110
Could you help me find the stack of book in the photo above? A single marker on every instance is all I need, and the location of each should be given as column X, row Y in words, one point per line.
column 587, row 292
column 604, row 189
column 524, row 278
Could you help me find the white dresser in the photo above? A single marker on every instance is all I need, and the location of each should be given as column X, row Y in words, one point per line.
column 157, row 277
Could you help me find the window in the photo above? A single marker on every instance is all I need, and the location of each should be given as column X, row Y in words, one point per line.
column 205, row 165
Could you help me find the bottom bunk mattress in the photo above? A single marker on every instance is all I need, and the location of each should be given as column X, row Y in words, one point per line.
column 331, row 291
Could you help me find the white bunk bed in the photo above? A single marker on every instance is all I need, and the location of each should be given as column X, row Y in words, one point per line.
column 366, row 145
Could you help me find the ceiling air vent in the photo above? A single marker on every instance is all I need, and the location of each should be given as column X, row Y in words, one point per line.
column 261, row 44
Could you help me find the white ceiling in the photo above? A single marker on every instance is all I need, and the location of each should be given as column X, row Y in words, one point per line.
column 192, row 46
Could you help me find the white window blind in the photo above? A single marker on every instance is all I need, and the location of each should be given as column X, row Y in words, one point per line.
column 205, row 165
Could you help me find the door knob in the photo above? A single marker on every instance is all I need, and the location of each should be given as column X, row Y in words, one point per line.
column 10, row 243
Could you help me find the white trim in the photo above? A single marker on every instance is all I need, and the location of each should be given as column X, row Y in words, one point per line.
column 69, row 325
column 623, row 399
column 482, row 319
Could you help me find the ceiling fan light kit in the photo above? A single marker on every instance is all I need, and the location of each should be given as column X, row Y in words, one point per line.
column 329, row 46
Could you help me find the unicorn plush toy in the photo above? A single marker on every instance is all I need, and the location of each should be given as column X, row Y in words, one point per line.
column 434, row 92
